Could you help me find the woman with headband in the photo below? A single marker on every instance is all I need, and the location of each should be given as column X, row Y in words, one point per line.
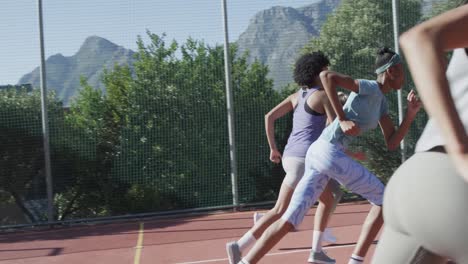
column 326, row 158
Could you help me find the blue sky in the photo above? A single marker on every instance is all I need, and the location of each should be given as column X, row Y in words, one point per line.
column 67, row 23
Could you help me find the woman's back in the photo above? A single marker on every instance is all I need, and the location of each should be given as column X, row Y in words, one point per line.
column 308, row 124
column 365, row 108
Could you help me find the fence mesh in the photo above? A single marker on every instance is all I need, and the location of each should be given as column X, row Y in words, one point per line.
column 137, row 98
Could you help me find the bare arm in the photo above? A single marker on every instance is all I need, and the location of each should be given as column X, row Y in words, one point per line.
column 393, row 136
column 330, row 80
column 286, row 106
column 424, row 47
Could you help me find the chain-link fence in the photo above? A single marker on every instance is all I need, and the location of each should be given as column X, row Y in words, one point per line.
column 138, row 122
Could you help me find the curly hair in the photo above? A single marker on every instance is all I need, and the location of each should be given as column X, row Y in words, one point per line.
column 308, row 68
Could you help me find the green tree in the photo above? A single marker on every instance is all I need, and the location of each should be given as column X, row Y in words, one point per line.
column 22, row 174
column 97, row 120
column 176, row 140
column 357, row 28
column 21, row 153
column 440, row 7
column 156, row 140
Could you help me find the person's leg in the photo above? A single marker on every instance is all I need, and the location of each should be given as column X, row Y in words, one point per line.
column 234, row 249
column 327, row 202
column 335, row 189
column 269, row 239
column 361, row 181
column 327, row 205
column 369, row 231
column 427, row 199
column 305, row 195
column 275, row 213
column 294, row 168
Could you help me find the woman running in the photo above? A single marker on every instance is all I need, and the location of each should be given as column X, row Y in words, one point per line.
column 365, row 108
column 312, row 110
column 426, row 201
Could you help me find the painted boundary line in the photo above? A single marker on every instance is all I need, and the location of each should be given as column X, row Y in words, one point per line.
column 139, row 245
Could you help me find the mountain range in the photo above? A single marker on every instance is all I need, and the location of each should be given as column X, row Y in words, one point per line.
column 64, row 73
column 274, row 37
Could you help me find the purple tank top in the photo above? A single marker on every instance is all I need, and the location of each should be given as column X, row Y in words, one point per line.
column 307, row 127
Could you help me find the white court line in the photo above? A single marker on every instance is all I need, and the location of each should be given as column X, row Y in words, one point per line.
column 271, row 254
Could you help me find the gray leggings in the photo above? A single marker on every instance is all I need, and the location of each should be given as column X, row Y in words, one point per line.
column 426, row 213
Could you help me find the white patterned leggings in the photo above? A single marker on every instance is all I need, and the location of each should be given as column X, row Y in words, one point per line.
column 325, row 160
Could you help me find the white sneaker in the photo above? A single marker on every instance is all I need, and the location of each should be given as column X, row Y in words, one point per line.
column 257, row 216
column 328, row 236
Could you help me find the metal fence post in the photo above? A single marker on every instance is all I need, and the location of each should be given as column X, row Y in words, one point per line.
column 230, row 110
column 396, row 22
column 45, row 121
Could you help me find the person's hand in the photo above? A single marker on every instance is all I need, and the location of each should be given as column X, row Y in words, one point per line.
column 350, row 128
column 414, row 104
column 275, row 156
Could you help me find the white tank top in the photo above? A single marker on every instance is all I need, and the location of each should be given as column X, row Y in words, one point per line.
column 457, row 75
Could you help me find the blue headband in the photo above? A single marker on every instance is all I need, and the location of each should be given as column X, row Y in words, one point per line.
column 393, row 61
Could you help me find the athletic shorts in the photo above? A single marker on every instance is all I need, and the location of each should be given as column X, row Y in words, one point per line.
column 294, row 168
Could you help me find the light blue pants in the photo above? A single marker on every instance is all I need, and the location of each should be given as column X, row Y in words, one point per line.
column 324, row 161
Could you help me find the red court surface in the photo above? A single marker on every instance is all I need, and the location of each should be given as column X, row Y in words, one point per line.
column 194, row 239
